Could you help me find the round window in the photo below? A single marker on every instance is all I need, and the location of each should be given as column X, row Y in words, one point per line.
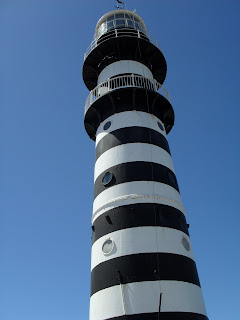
column 186, row 244
column 108, row 246
column 107, row 125
column 107, row 178
column 160, row 126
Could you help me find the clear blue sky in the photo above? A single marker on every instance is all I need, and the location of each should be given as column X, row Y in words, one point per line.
column 47, row 158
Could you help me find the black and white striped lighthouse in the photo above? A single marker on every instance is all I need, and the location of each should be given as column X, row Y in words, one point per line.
column 142, row 265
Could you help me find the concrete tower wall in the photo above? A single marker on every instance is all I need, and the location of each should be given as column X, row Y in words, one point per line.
column 123, row 67
column 142, row 264
column 140, row 246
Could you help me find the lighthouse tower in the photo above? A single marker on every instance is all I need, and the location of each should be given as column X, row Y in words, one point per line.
column 142, row 265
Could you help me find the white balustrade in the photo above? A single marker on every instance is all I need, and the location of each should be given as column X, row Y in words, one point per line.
column 125, row 81
column 120, row 31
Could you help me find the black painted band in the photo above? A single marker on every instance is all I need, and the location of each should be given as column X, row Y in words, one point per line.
column 131, row 135
column 123, row 47
column 143, row 267
column 136, row 171
column 128, row 99
column 138, row 215
column 163, row 316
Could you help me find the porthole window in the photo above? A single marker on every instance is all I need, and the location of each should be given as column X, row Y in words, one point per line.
column 107, row 178
column 186, row 244
column 107, row 246
column 107, row 125
column 160, row 126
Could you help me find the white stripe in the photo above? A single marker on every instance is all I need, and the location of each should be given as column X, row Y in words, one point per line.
column 136, row 192
column 129, row 119
column 124, row 66
column 135, row 199
column 141, row 240
column 143, row 297
column 131, row 152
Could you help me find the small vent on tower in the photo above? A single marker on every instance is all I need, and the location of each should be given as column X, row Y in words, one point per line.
column 108, row 219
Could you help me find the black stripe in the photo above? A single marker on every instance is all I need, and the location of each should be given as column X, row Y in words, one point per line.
column 138, row 215
column 136, row 171
column 163, row 316
column 123, row 48
column 143, row 267
column 131, row 135
column 128, row 99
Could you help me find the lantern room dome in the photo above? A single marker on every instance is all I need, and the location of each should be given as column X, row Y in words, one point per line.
column 119, row 19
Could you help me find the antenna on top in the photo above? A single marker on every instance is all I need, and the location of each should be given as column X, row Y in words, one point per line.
column 120, row 4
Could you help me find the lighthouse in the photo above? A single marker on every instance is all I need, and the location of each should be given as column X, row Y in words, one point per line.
column 142, row 263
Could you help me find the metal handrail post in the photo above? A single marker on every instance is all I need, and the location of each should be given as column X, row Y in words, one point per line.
column 133, row 82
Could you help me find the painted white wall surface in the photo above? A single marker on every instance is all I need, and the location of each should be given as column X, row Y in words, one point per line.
column 124, row 66
column 106, row 304
column 143, row 297
column 141, row 240
column 131, row 152
column 129, row 119
column 136, row 192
